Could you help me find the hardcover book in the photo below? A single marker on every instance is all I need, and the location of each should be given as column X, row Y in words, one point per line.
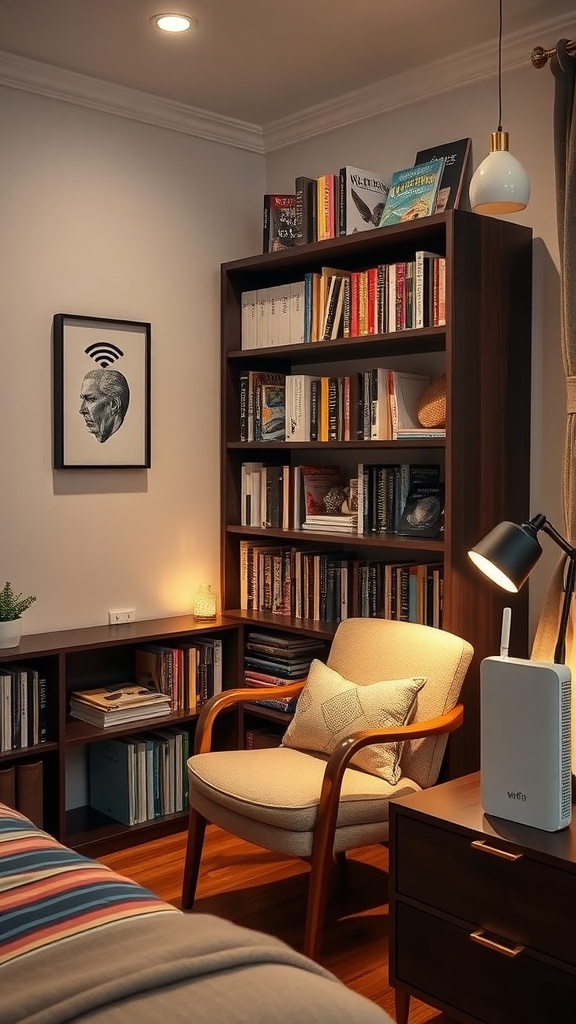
column 453, row 190
column 413, row 193
column 423, row 513
column 362, row 199
column 112, row 780
column 305, row 209
column 316, row 482
column 279, row 225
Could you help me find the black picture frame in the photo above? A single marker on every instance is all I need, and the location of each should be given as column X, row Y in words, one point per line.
column 101, row 392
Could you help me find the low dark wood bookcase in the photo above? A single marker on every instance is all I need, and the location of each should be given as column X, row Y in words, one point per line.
column 484, row 349
column 91, row 657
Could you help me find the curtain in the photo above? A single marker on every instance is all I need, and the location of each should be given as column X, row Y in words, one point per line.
column 563, row 67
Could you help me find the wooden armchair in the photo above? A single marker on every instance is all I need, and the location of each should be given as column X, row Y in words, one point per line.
column 374, row 721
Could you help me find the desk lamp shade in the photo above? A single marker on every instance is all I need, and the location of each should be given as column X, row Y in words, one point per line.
column 507, row 554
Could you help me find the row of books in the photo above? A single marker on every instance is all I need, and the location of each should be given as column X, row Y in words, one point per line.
column 273, row 659
column 334, row 303
column 377, row 500
column 329, row 586
column 22, row 787
column 356, row 199
column 189, row 672
column 139, row 778
column 377, row 404
column 23, row 708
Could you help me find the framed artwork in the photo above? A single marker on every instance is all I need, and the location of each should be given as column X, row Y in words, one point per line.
column 101, row 393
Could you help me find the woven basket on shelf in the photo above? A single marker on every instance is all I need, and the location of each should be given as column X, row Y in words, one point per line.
column 432, row 408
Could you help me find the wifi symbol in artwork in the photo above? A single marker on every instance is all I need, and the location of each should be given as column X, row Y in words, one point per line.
column 104, row 353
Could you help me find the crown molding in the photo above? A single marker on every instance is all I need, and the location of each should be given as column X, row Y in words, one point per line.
column 397, row 91
column 85, row 91
column 473, row 65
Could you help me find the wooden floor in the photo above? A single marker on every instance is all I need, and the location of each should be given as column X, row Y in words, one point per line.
column 262, row 890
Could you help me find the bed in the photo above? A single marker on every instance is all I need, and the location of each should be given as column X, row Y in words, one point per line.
column 78, row 942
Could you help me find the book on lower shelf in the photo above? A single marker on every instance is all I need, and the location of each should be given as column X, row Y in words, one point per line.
column 118, row 704
column 30, row 790
column 139, row 778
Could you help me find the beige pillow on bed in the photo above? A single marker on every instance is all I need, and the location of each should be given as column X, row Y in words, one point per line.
column 331, row 707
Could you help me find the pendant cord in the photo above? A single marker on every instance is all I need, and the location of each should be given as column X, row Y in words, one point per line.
column 500, row 71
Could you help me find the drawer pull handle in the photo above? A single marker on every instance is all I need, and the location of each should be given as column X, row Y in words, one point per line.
column 484, row 847
column 498, row 947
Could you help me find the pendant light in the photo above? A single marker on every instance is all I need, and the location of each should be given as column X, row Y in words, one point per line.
column 500, row 184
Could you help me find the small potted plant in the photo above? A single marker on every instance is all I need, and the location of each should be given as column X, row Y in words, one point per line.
column 11, row 607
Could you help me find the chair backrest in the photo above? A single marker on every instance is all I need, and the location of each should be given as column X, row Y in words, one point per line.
column 370, row 650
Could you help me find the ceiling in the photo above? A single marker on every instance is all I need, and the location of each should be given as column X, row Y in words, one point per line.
column 259, row 61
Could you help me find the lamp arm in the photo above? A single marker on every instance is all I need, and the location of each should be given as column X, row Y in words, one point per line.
column 539, row 522
column 547, row 527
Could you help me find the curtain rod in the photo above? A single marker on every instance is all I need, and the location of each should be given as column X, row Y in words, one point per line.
column 540, row 57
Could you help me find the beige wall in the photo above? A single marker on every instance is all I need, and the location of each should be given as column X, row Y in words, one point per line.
column 105, row 216
column 391, row 141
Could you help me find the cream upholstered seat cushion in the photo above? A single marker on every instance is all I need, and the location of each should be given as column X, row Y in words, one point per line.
column 279, row 788
column 331, row 707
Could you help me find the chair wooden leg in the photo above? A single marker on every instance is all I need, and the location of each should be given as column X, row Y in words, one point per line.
column 195, row 842
column 320, row 870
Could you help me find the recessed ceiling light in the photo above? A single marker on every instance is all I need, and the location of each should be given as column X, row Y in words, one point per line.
column 173, row 22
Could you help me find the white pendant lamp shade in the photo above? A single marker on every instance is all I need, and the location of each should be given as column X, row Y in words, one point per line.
column 500, row 184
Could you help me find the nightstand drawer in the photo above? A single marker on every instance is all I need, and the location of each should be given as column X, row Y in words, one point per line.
column 489, row 884
column 440, row 961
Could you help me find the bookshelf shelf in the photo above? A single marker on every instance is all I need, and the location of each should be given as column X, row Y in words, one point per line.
column 484, row 349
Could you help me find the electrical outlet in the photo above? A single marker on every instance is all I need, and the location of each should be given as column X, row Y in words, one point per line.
column 121, row 615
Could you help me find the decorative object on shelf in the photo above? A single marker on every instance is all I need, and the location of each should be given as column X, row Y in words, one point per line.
column 334, row 500
column 500, row 184
column 101, row 393
column 11, row 607
column 204, row 603
column 508, row 554
column 432, row 407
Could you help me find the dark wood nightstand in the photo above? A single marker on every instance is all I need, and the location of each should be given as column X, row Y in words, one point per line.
column 482, row 911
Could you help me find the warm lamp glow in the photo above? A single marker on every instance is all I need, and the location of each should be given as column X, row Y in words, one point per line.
column 492, row 572
column 173, row 22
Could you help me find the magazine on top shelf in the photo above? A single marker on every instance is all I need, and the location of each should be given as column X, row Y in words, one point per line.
column 453, row 190
column 413, row 192
column 362, row 198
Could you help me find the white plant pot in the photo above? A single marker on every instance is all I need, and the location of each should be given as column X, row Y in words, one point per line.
column 10, row 633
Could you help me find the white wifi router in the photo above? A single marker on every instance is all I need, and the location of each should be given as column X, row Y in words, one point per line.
column 525, row 757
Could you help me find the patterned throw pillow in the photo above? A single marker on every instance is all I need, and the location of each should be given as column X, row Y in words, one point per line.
column 331, row 707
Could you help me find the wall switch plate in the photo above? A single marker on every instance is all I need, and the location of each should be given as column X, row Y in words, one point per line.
column 121, row 615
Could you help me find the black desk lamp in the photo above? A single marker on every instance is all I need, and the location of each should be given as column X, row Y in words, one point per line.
column 508, row 554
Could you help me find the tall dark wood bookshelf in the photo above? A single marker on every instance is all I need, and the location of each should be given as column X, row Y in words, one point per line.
column 485, row 350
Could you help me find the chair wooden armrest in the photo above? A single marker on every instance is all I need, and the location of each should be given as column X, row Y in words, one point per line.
column 350, row 745
column 230, row 698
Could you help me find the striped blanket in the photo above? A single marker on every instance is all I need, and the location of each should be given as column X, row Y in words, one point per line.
column 49, row 893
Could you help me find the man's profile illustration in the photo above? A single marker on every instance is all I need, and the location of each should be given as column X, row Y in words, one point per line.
column 104, row 400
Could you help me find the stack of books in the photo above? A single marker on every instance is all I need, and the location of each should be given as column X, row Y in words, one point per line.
column 117, row 704
column 272, row 659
